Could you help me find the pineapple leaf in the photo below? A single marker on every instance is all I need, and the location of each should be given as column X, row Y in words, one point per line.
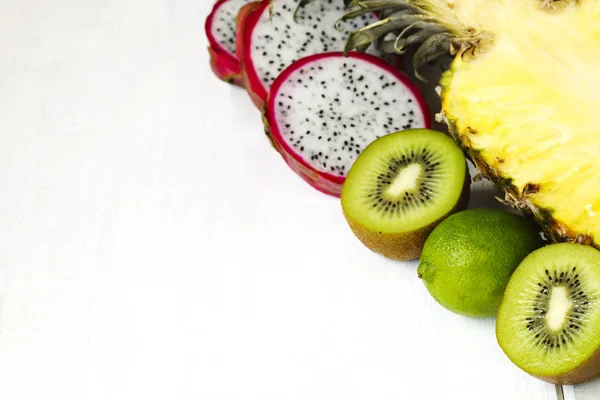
column 355, row 13
column 424, row 30
column 388, row 46
column 369, row 34
column 431, row 49
column 377, row 4
column 367, row 7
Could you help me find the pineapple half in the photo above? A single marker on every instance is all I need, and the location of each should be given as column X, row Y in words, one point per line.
column 522, row 95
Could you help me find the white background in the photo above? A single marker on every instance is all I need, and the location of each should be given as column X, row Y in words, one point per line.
column 154, row 246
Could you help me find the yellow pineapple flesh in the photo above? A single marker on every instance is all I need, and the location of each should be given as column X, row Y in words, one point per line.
column 528, row 109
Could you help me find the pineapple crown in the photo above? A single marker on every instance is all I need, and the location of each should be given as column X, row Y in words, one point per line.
column 434, row 27
column 410, row 23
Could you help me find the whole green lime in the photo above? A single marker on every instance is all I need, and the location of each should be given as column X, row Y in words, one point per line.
column 469, row 258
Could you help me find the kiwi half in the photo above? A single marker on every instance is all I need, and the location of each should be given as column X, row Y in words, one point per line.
column 400, row 187
column 549, row 320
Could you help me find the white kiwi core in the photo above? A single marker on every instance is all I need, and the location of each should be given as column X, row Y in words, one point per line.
column 559, row 307
column 405, row 181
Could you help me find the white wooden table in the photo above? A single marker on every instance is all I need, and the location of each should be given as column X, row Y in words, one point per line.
column 154, row 246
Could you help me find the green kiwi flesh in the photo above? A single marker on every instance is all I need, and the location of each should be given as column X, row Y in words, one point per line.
column 400, row 187
column 549, row 319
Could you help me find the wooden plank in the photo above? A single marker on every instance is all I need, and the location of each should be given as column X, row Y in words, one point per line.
column 154, row 246
column 568, row 393
column 584, row 391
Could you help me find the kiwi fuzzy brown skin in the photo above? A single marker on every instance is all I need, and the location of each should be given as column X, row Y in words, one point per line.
column 406, row 246
column 586, row 371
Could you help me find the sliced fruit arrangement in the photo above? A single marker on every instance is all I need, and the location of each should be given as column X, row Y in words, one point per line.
column 401, row 187
column 520, row 96
column 323, row 110
column 273, row 39
column 520, row 100
column 549, row 320
column 220, row 28
column 469, row 258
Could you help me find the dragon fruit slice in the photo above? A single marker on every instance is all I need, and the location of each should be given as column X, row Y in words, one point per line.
column 323, row 110
column 270, row 43
column 220, row 30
